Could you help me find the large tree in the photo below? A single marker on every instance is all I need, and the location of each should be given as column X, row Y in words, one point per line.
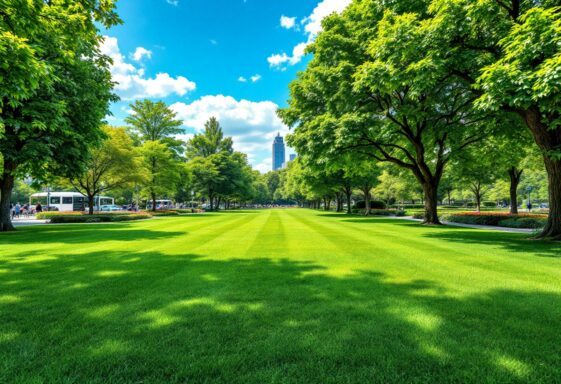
column 210, row 142
column 510, row 53
column 155, row 121
column 113, row 164
column 376, row 85
column 55, row 88
column 162, row 170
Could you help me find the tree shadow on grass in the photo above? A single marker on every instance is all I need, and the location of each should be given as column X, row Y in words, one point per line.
column 108, row 317
column 513, row 242
column 83, row 233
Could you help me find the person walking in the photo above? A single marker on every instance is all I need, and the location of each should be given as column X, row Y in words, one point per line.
column 38, row 208
column 18, row 210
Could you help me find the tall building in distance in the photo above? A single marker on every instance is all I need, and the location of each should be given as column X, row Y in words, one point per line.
column 292, row 157
column 279, row 156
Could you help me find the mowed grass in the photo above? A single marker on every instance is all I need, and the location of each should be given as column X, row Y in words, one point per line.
column 277, row 296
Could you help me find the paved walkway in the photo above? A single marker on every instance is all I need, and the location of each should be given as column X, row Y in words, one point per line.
column 25, row 221
column 475, row 226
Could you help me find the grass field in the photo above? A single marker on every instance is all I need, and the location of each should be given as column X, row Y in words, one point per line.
column 277, row 296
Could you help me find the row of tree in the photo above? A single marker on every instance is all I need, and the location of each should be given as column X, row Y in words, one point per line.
column 431, row 86
column 146, row 158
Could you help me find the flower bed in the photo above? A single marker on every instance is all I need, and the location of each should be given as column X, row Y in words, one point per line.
column 97, row 218
column 48, row 215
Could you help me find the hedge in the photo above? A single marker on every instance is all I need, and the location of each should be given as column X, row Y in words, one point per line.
column 162, row 213
column 374, row 204
column 188, row 210
column 382, row 212
column 497, row 219
column 97, row 218
column 48, row 215
column 524, row 222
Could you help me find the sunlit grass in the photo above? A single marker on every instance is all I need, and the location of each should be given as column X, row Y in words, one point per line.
column 277, row 296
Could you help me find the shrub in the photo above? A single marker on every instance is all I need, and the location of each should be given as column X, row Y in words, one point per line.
column 419, row 215
column 184, row 210
column 48, row 215
column 374, row 204
column 523, row 222
column 487, row 218
column 489, row 204
column 98, row 218
column 163, row 213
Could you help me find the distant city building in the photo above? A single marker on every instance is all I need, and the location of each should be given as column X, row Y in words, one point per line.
column 292, row 157
column 279, row 156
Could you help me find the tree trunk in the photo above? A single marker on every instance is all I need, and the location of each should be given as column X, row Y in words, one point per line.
column 515, row 176
column 338, row 198
column 430, row 190
column 366, row 192
column 548, row 140
column 91, row 200
column 6, row 187
column 349, row 195
column 153, row 195
column 553, row 227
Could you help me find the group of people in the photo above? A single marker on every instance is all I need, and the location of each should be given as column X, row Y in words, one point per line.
column 17, row 210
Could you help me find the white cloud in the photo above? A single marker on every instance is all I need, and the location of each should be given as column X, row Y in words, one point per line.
column 253, row 125
column 312, row 23
column 141, row 52
column 175, row 3
column 242, row 79
column 132, row 82
column 312, row 27
column 264, row 166
column 255, row 78
column 287, row 22
column 298, row 53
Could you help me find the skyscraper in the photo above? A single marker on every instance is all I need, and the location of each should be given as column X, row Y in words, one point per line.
column 278, row 153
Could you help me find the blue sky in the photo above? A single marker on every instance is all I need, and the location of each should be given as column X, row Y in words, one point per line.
column 232, row 59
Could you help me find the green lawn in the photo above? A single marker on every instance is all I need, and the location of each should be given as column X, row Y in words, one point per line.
column 277, row 296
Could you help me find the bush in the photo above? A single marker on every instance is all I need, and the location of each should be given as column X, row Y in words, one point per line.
column 489, row 218
column 523, row 222
column 163, row 213
column 48, row 215
column 182, row 211
column 97, row 218
column 489, row 204
column 374, row 204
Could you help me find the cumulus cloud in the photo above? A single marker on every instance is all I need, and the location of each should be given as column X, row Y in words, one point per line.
column 312, row 27
column 141, row 52
column 175, row 3
column 242, row 79
column 132, row 82
column 287, row 22
column 255, row 78
column 253, row 125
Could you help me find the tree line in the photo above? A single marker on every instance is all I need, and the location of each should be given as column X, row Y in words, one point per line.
column 434, row 88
